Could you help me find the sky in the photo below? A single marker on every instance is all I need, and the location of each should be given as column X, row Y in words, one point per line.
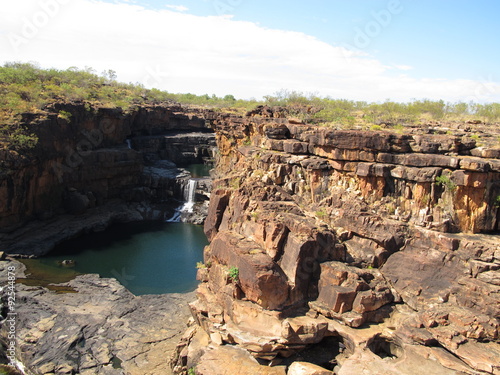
column 368, row 50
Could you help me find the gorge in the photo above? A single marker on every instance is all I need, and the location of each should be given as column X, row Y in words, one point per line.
column 84, row 168
column 330, row 250
column 95, row 168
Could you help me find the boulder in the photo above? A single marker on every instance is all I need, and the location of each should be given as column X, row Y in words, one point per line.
column 276, row 131
column 218, row 203
column 76, row 203
column 304, row 330
column 261, row 279
column 229, row 360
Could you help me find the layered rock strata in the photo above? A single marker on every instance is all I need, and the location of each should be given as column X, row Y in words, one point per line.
column 98, row 162
column 366, row 244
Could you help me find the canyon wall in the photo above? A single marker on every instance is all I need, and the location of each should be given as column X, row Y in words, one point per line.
column 331, row 250
column 94, row 166
column 347, row 251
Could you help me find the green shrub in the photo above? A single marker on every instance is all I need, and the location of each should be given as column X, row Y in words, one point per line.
column 235, row 183
column 64, row 115
column 398, row 128
column 477, row 139
column 436, row 109
column 234, row 274
column 426, row 199
column 446, row 182
column 321, row 214
column 17, row 138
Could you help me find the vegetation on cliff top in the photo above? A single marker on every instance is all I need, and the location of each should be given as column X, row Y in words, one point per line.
column 314, row 109
column 26, row 88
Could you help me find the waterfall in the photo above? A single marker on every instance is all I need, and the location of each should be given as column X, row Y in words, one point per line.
column 190, row 192
column 129, row 143
column 189, row 201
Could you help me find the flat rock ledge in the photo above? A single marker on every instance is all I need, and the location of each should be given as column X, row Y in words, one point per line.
column 101, row 328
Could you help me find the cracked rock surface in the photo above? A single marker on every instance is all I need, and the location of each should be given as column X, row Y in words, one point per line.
column 101, row 328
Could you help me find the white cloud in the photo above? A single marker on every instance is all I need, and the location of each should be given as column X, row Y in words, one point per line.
column 178, row 8
column 180, row 52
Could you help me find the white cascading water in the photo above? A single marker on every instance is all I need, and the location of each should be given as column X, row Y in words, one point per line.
column 189, row 197
column 129, row 143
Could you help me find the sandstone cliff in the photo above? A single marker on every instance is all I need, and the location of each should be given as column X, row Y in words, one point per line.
column 95, row 166
column 378, row 250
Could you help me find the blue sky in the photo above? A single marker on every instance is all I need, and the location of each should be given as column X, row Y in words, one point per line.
column 439, row 38
column 364, row 50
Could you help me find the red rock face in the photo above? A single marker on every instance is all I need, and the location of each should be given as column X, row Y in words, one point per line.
column 260, row 279
column 388, row 242
column 88, row 154
column 349, row 228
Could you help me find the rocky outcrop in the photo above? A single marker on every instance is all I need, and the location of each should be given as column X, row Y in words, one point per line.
column 38, row 238
column 95, row 327
column 182, row 148
column 369, row 239
column 354, row 251
column 95, row 160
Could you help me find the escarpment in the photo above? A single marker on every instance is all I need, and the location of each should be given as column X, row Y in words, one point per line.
column 331, row 250
column 94, row 166
column 355, row 251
